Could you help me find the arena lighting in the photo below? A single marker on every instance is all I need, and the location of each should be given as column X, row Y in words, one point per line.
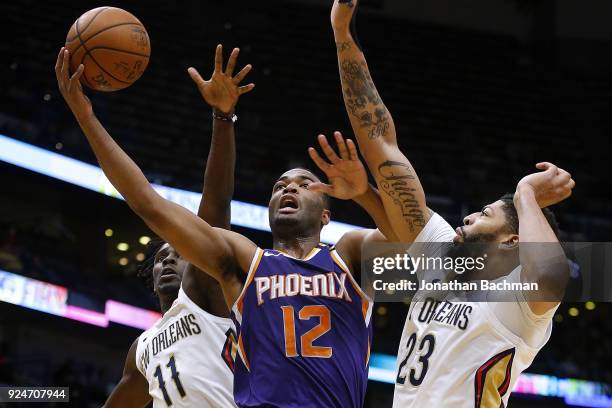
column 91, row 177
column 48, row 298
column 45, row 297
column 144, row 240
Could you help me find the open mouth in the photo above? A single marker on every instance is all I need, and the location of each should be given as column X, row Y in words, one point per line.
column 168, row 272
column 288, row 204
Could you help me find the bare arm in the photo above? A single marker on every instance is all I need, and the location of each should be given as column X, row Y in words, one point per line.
column 371, row 202
column 401, row 191
column 542, row 258
column 221, row 92
column 348, row 180
column 218, row 252
column 132, row 390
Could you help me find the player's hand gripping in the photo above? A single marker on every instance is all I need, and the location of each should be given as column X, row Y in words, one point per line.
column 347, row 176
column 70, row 86
column 342, row 14
column 550, row 186
column 222, row 90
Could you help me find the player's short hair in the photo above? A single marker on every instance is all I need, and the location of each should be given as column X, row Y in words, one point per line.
column 512, row 215
column 145, row 268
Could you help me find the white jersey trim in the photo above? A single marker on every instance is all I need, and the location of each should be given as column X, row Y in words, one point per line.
column 336, row 256
column 252, row 269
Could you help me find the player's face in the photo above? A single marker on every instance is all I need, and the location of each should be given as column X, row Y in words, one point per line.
column 293, row 204
column 168, row 270
column 487, row 225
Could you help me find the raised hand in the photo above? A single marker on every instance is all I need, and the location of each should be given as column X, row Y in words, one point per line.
column 342, row 14
column 347, row 176
column 222, row 90
column 551, row 185
column 70, row 86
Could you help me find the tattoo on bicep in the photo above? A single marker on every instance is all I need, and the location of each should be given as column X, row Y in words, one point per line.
column 362, row 99
column 395, row 180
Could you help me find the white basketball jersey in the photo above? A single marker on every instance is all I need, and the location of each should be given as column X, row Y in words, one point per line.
column 457, row 353
column 183, row 357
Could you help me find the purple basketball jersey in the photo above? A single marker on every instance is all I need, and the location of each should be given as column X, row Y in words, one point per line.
column 304, row 333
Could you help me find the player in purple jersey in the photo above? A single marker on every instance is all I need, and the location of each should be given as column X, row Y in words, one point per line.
column 310, row 330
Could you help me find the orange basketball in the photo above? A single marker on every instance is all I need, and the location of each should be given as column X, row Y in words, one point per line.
column 112, row 44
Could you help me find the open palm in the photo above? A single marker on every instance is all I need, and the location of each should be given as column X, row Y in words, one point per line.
column 222, row 90
column 346, row 174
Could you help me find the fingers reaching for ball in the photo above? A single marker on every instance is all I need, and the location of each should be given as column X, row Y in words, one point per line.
column 70, row 85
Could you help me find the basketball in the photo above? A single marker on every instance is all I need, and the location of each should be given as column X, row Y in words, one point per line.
column 112, row 44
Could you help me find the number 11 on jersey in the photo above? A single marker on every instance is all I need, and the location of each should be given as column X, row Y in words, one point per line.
column 175, row 377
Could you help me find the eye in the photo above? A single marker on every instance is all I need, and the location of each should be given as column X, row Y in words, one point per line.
column 304, row 185
column 278, row 186
column 484, row 213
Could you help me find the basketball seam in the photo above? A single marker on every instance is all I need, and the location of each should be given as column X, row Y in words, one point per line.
column 92, row 57
column 118, row 50
column 76, row 26
column 88, row 24
column 100, row 32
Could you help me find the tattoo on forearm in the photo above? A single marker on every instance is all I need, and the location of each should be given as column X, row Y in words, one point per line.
column 362, row 99
column 344, row 46
column 395, row 179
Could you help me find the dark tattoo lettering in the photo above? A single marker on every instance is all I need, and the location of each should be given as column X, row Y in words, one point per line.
column 395, row 180
column 362, row 99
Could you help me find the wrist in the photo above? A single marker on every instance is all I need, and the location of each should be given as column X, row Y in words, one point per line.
column 219, row 112
column 363, row 197
column 523, row 190
column 83, row 115
column 229, row 118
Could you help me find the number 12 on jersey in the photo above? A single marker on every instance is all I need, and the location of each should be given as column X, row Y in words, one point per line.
column 306, row 347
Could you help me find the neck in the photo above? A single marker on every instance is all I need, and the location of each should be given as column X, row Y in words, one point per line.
column 165, row 302
column 297, row 247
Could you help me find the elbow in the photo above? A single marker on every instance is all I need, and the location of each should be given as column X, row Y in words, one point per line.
column 551, row 279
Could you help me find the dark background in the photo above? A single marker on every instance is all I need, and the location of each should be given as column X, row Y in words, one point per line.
column 480, row 91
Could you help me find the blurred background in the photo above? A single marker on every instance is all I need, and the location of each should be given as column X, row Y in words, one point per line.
column 480, row 91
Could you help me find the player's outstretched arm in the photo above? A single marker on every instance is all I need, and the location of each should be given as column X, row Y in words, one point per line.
column 218, row 252
column 132, row 391
column 401, row 191
column 221, row 92
column 348, row 180
column 542, row 258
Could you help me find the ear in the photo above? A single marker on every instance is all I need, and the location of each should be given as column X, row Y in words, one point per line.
column 325, row 217
column 510, row 241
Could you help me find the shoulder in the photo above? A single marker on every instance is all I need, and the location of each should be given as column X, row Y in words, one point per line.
column 350, row 245
column 243, row 251
column 437, row 229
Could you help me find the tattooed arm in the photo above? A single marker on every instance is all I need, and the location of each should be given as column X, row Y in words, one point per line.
column 401, row 191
